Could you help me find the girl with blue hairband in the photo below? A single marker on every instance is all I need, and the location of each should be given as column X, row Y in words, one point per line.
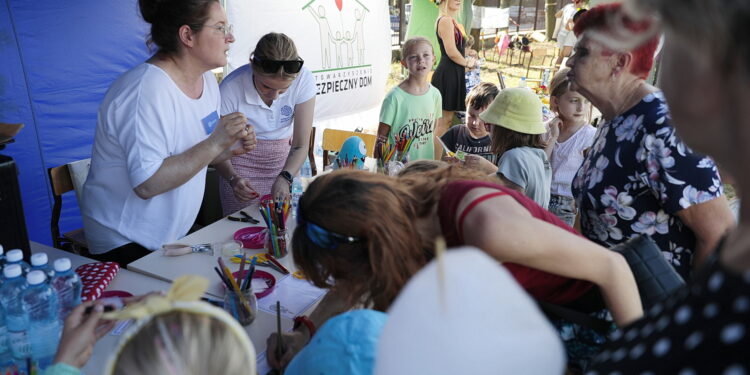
column 364, row 235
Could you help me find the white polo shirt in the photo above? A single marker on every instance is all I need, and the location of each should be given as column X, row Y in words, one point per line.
column 144, row 119
column 238, row 94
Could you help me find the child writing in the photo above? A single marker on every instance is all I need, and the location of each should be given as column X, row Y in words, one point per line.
column 569, row 135
column 473, row 137
column 411, row 109
column 515, row 119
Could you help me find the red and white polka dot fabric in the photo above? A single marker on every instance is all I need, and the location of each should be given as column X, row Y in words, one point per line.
column 95, row 277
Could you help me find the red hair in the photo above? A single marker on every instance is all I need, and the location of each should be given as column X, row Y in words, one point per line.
column 598, row 18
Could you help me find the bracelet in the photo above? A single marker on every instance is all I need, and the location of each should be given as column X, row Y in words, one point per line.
column 302, row 319
column 231, row 179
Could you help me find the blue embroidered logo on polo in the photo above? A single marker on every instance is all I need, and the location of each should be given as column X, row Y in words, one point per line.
column 286, row 114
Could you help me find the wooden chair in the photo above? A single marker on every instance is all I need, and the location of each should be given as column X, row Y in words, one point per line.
column 501, row 80
column 536, row 53
column 311, row 152
column 65, row 178
column 333, row 139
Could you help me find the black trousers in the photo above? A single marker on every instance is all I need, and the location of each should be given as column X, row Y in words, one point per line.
column 123, row 255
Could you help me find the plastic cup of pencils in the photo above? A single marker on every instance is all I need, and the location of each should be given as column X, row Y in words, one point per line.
column 244, row 308
column 277, row 242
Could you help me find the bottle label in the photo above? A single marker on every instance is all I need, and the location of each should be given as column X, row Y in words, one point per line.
column 19, row 344
column 3, row 343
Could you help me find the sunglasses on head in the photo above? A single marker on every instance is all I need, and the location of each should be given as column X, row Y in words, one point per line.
column 273, row 66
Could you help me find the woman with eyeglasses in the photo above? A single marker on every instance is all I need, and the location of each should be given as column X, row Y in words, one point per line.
column 363, row 235
column 277, row 94
column 158, row 129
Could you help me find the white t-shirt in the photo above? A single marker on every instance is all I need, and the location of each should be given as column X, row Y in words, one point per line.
column 238, row 94
column 567, row 157
column 563, row 39
column 144, row 119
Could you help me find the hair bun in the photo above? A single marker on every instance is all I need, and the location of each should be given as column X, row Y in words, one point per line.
column 150, row 9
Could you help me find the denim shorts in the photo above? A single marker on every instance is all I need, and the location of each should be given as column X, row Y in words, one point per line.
column 564, row 208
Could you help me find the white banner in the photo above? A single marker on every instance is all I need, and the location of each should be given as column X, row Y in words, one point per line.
column 345, row 43
column 490, row 18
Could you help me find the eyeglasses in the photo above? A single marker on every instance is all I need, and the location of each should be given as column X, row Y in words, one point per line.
column 226, row 29
column 273, row 66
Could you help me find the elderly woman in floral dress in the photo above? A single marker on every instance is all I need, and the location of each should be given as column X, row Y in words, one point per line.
column 639, row 177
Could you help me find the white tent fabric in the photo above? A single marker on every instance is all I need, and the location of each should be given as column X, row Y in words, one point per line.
column 480, row 322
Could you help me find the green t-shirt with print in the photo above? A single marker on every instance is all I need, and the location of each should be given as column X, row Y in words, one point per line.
column 413, row 116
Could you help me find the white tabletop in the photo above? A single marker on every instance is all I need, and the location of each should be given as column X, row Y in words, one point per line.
column 125, row 280
column 169, row 268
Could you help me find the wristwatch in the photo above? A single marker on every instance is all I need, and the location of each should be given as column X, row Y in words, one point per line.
column 287, row 176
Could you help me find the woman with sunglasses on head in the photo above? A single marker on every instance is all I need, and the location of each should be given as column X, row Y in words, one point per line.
column 277, row 94
column 158, row 129
column 363, row 235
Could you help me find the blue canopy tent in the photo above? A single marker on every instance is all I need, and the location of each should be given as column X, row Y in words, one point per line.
column 58, row 59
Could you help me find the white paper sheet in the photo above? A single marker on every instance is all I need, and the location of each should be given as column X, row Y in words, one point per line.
column 295, row 296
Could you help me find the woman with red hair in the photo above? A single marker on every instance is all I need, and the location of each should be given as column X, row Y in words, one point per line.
column 639, row 177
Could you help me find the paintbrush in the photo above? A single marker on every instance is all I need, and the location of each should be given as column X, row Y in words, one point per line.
column 280, row 343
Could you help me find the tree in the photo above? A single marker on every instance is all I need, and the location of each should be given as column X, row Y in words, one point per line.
column 550, row 9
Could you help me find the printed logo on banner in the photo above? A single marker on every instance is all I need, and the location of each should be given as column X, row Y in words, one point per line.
column 342, row 45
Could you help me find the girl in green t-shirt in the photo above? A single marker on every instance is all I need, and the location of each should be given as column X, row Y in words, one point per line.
column 411, row 109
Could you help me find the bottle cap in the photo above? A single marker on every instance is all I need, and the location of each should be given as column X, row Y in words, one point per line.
column 62, row 265
column 15, row 255
column 12, row 270
column 38, row 259
column 36, row 277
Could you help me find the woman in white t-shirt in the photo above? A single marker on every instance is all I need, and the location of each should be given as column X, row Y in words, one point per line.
column 566, row 39
column 570, row 135
column 277, row 94
column 158, row 129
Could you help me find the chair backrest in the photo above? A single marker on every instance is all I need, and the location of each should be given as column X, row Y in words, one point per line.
column 333, row 139
column 79, row 170
column 63, row 179
column 311, row 153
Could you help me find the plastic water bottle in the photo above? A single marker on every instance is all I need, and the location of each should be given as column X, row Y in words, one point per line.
column 39, row 262
column 16, row 318
column 306, row 170
column 296, row 194
column 42, row 304
column 68, row 286
column 522, row 82
column 2, row 256
column 6, row 359
column 15, row 256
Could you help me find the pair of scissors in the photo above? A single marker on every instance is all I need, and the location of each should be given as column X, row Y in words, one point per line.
column 245, row 218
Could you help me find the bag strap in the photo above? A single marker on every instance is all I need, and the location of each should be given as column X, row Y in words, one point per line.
column 573, row 316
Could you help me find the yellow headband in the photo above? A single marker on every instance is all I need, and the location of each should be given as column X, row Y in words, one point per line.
column 184, row 295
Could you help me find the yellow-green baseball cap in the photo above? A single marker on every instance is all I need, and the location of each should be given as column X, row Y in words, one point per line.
column 518, row 109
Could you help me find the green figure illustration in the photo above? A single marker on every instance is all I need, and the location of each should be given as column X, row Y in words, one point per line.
column 349, row 48
column 359, row 35
column 325, row 35
column 338, row 40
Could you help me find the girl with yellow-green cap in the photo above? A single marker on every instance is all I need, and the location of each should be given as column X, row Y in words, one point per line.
column 517, row 130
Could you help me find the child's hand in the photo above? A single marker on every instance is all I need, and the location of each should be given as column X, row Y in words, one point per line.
column 80, row 333
column 553, row 129
column 293, row 342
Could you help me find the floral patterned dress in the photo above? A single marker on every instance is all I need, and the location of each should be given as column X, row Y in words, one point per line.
column 637, row 176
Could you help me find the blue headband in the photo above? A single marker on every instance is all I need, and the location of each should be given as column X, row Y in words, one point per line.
column 320, row 236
